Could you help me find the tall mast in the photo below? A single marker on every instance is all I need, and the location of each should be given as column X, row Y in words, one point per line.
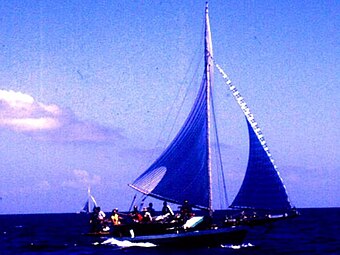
column 88, row 199
column 209, row 68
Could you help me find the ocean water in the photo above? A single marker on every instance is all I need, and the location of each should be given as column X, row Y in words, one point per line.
column 316, row 231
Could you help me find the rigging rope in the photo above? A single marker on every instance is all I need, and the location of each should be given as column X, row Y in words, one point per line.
column 170, row 132
column 198, row 50
column 219, row 159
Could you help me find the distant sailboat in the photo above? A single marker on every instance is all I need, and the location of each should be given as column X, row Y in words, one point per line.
column 90, row 203
column 184, row 170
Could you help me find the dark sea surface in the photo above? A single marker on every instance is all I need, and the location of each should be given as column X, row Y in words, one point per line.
column 316, row 231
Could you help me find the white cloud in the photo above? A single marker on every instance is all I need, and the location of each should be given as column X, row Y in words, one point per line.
column 81, row 179
column 20, row 112
column 31, row 124
column 16, row 99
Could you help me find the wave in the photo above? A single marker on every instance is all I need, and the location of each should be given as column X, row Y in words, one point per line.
column 125, row 243
column 237, row 247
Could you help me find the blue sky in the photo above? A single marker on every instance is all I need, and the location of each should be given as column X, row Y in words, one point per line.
column 86, row 90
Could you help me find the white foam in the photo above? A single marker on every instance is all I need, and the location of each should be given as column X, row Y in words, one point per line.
column 237, row 247
column 126, row 244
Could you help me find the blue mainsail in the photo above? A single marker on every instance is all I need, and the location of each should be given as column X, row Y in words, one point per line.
column 183, row 171
column 180, row 173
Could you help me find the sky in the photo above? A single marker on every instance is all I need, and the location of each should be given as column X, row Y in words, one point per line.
column 88, row 91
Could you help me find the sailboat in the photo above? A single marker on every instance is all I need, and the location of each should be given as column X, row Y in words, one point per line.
column 184, row 172
column 89, row 204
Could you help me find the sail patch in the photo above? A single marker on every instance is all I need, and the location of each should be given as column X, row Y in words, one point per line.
column 152, row 178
